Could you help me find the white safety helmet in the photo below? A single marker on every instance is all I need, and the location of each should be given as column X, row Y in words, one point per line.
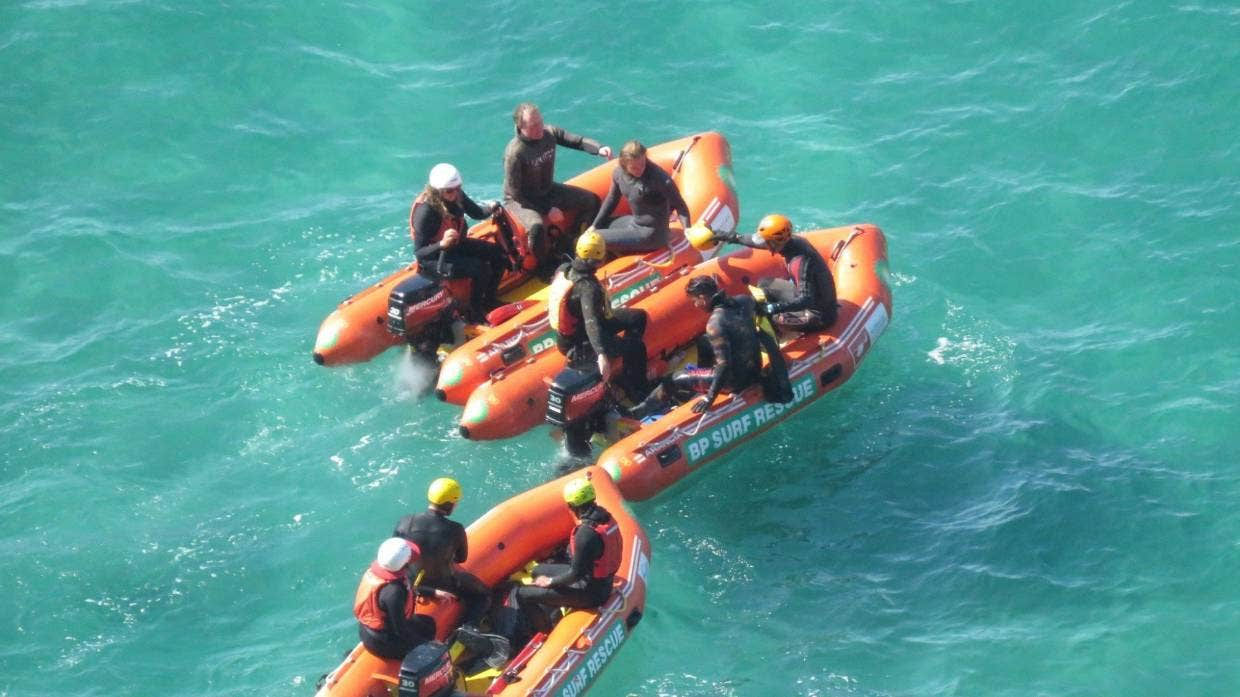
column 395, row 553
column 444, row 176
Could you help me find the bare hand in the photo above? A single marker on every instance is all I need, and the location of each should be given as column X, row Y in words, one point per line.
column 450, row 237
column 605, row 152
column 542, row 581
column 555, row 216
column 604, row 367
column 700, row 406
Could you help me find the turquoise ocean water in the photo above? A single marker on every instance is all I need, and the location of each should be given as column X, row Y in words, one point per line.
column 1029, row 488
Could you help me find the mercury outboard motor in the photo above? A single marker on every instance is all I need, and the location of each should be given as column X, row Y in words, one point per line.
column 578, row 402
column 427, row 671
column 421, row 310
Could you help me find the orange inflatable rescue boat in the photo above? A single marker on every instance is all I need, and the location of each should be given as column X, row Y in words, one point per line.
column 360, row 329
column 701, row 166
column 514, row 400
column 680, row 442
column 502, row 543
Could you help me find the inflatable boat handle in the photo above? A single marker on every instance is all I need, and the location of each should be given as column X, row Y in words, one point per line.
column 681, row 157
column 839, row 246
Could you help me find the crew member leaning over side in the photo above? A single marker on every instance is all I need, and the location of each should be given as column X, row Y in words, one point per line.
column 808, row 303
column 652, row 196
column 530, row 189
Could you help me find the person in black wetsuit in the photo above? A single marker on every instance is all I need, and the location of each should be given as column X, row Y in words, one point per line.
column 444, row 544
column 588, row 328
column 730, row 354
column 808, row 302
column 530, row 189
column 652, row 195
column 384, row 604
column 437, row 224
column 594, row 548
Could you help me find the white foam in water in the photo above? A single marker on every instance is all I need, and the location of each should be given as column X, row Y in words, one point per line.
column 414, row 376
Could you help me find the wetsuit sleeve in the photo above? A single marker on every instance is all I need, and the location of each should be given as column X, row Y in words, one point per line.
column 723, row 356
column 675, row 199
column 462, row 544
column 425, row 221
column 609, row 203
column 471, row 209
column 414, row 630
column 592, row 313
column 805, row 289
column 589, row 547
column 574, row 141
column 513, row 182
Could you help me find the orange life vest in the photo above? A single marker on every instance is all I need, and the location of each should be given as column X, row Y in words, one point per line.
column 559, row 298
column 608, row 562
column 366, row 600
column 447, row 222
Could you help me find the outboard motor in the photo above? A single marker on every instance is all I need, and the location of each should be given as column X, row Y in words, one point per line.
column 577, row 402
column 427, row 672
column 421, row 310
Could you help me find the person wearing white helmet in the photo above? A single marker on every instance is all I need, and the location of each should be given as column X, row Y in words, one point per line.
column 530, row 189
column 384, row 603
column 437, row 224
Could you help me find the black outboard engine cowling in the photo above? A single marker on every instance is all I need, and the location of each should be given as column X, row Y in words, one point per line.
column 575, row 395
column 416, row 302
column 427, row 671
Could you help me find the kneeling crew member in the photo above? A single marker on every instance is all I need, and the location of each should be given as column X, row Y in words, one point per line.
column 809, row 304
column 444, row 544
column 384, row 603
column 594, row 549
column 731, row 356
column 588, row 328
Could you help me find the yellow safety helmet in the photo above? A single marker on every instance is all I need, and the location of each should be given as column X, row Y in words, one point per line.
column 701, row 237
column 578, row 492
column 444, row 490
column 591, row 246
column 774, row 229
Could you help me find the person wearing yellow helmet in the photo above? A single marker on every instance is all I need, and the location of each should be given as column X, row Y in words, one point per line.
column 531, row 193
column 444, row 545
column 807, row 302
column 588, row 329
column 652, row 195
column 594, row 548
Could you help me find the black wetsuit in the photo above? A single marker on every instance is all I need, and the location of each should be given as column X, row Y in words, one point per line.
column 810, row 303
column 481, row 261
column 652, row 196
column 530, row 189
column 399, row 635
column 443, row 544
column 735, row 355
column 573, row 584
column 599, row 328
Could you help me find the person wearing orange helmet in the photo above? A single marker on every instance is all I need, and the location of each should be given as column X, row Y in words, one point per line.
column 808, row 302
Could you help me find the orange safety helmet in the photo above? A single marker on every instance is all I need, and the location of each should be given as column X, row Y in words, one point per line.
column 773, row 230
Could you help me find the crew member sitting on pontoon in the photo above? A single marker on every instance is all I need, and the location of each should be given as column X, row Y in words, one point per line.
column 444, row 546
column 594, row 549
column 588, row 328
column 385, row 601
column 808, row 302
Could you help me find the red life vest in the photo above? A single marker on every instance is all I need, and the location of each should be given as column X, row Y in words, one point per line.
column 447, row 222
column 366, row 601
column 608, row 562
